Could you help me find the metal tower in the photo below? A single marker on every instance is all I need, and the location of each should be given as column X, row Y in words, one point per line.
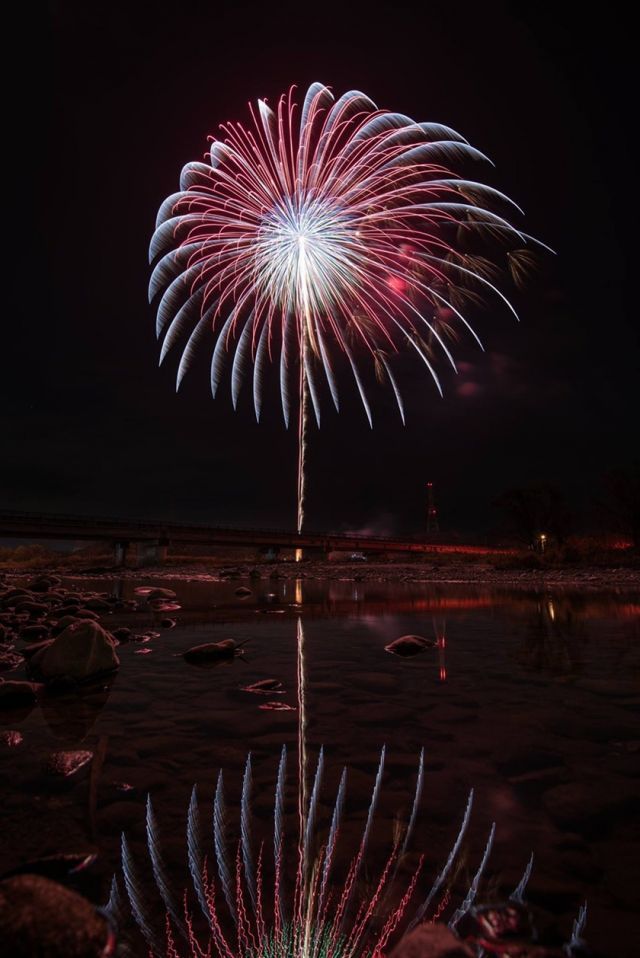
column 432, row 512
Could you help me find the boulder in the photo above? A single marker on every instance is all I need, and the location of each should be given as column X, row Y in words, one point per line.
column 64, row 622
column 431, row 941
column 84, row 650
column 41, row 917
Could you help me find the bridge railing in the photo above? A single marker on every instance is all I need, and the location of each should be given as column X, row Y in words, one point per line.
column 162, row 528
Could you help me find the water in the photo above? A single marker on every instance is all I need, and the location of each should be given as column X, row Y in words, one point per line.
column 531, row 699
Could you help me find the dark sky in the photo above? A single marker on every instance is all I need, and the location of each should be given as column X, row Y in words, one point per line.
column 114, row 98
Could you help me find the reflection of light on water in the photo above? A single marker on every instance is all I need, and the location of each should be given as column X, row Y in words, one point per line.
column 442, row 644
column 302, row 729
column 298, row 598
column 551, row 609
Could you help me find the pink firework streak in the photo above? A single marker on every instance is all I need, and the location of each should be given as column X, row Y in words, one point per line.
column 326, row 231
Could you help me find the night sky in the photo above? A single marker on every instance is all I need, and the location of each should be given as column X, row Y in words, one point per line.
column 125, row 94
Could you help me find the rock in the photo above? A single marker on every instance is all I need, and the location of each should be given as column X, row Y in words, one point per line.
column 14, row 693
column 37, row 610
column 95, row 605
column 11, row 598
column 64, row 623
column 33, row 633
column 43, row 583
column 123, row 634
column 276, row 707
column 66, row 764
column 243, row 592
column 213, row 651
column 83, row 651
column 408, row 645
column 167, row 623
column 264, row 687
column 89, row 613
column 9, row 661
column 160, row 594
column 30, row 650
column 431, row 941
column 41, row 917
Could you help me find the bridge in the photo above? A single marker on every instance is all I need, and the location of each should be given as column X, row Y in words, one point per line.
column 152, row 538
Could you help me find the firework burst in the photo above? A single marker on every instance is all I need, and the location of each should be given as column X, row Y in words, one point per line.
column 313, row 235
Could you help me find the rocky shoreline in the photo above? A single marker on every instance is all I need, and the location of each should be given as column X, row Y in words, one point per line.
column 470, row 573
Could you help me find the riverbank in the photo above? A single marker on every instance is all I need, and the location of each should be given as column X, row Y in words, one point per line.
column 464, row 573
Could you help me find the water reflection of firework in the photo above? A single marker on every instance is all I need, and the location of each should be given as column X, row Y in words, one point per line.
column 248, row 909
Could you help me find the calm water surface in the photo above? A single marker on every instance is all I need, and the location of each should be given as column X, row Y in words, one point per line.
column 533, row 702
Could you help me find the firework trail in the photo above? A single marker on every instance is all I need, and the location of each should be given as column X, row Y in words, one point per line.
column 314, row 234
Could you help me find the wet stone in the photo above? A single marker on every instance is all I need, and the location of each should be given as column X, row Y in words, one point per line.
column 65, row 764
column 41, row 917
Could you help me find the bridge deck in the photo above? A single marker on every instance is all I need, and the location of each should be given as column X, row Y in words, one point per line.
column 89, row 528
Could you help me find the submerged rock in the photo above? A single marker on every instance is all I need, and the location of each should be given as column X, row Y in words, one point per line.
column 408, row 645
column 41, row 917
column 264, row 687
column 243, row 592
column 213, row 651
column 159, row 594
column 83, row 651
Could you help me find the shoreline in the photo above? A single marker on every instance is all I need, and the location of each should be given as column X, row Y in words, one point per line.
column 449, row 574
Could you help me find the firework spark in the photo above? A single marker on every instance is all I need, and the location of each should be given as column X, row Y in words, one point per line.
column 311, row 235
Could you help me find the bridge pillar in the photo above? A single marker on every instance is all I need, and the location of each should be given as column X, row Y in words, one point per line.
column 270, row 553
column 120, row 550
column 150, row 552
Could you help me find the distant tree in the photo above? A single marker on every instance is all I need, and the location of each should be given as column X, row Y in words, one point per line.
column 621, row 501
column 534, row 510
